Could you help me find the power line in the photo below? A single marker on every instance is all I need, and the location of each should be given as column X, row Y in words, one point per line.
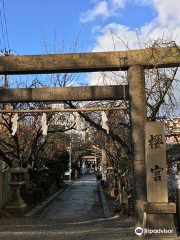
column 5, row 24
column 2, row 27
column 0, row 44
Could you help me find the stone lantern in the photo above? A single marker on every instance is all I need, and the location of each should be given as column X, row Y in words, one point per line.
column 110, row 178
column 110, row 173
column 15, row 203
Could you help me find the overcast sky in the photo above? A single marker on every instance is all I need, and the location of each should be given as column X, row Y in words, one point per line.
column 29, row 20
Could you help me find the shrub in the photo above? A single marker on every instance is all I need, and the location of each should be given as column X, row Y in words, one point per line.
column 99, row 176
column 38, row 194
column 63, row 157
column 124, row 209
column 45, row 186
column 27, row 193
column 55, row 164
column 55, row 170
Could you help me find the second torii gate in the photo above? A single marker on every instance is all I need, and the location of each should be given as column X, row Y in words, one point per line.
column 134, row 62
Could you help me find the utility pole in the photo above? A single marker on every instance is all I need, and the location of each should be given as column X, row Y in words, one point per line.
column 5, row 81
column 5, row 85
column 70, row 156
column 83, row 170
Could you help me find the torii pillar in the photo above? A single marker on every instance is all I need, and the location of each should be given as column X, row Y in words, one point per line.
column 153, row 213
column 138, row 119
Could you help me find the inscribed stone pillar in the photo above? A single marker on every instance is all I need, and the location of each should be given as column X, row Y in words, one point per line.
column 156, row 163
column 158, row 213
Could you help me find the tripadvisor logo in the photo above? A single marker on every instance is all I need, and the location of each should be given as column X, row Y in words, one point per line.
column 139, row 231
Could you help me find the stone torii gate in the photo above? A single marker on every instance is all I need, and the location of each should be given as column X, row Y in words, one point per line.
column 134, row 62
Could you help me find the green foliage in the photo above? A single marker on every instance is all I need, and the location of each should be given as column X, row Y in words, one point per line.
column 63, row 157
column 56, row 169
column 99, row 176
column 38, row 194
column 54, row 164
column 33, row 175
column 44, row 185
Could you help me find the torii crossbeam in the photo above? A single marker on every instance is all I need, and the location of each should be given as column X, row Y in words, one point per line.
column 90, row 62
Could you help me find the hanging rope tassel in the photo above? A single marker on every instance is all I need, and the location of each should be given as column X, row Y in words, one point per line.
column 104, row 122
column 105, row 127
column 88, row 133
column 83, row 135
column 44, row 124
column 14, row 125
column 104, row 117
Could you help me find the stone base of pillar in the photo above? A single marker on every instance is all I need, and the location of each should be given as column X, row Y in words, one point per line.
column 15, row 204
column 158, row 222
column 16, row 209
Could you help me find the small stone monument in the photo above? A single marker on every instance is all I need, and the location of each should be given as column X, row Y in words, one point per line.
column 158, row 213
column 15, row 204
column 110, row 180
column 104, row 166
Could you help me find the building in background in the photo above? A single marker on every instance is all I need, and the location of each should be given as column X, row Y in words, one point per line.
column 92, row 162
column 173, row 144
column 173, row 131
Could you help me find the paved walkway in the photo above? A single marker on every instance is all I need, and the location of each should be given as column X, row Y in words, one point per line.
column 76, row 214
column 81, row 202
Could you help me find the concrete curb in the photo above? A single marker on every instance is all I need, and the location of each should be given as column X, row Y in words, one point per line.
column 46, row 203
column 106, row 209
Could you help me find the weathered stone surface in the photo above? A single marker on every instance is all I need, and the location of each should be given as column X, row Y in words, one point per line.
column 156, row 189
column 138, row 118
column 159, row 207
column 115, row 92
column 15, row 204
column 160, row 222
column 158, row 213
column 16, row 209
column 90, row 62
